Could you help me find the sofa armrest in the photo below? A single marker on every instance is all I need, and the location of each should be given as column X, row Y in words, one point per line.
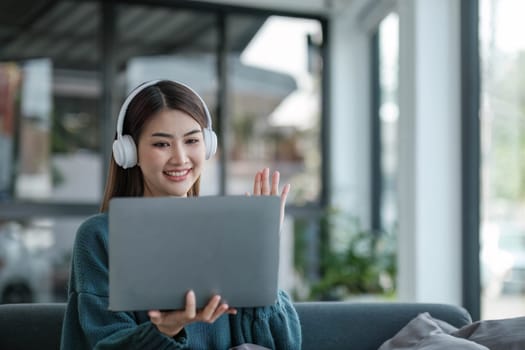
column 365, row 326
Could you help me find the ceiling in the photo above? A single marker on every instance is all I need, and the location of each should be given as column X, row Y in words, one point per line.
column 314, row 7
column 68, row 32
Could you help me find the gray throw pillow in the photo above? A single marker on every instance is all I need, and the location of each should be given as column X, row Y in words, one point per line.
column 445, row 341
column 504, row 334
column 248, row 346
column 426, row 333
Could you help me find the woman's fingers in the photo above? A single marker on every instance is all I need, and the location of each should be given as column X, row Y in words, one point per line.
column 275, row 183
column 172, row 322
column 261, row 183
column 221, row 309
column 257, row 184
column 265, row 182
column 208, row 312
column 191, row 305
column 231, row 311
column 284, row 195
column 262, row 186
column 214, row 309
column 155, row 316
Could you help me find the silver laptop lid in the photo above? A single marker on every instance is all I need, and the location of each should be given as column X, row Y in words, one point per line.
column 161, row 247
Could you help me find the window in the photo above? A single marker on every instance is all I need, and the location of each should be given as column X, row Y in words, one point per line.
column 275, row 105
column 49, row 88
column 502, row 236
column 388, row 116
column 49, row 143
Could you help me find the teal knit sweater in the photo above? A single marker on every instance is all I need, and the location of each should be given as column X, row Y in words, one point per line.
column 88, row 324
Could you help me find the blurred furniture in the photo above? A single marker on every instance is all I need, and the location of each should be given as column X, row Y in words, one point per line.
column 325, row 325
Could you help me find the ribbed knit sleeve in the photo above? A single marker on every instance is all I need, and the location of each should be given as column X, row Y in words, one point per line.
column 275, row 327
column 88, row 324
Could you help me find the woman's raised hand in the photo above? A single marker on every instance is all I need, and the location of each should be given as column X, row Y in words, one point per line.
column 263, row 187
column 172, row 323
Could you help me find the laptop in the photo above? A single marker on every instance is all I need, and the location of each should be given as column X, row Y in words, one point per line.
column 161, row 247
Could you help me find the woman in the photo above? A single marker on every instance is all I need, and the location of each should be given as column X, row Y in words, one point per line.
column 164, row 135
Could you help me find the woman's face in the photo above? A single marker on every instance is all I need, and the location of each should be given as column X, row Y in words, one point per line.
column 171, row 153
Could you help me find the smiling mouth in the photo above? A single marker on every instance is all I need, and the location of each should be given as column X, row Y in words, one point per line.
column 177, row 173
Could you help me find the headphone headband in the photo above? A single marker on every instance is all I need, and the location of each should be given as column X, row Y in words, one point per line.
column 124, row 107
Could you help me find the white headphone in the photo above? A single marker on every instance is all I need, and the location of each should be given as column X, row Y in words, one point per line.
column 124, row 148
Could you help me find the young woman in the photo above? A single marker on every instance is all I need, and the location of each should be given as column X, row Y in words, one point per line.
column 164, row 135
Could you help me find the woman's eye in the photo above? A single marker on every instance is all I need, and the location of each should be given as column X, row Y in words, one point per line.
column 190, row 141
column 161, row 144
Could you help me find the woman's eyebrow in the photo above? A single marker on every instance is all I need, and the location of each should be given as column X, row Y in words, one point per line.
column 194, row 131
column 171, row 136
column 162, row 134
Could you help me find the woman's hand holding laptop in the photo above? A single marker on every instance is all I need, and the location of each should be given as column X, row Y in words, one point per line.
column 172, row 323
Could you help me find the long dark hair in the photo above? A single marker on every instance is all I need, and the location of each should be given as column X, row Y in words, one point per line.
column 163, row 95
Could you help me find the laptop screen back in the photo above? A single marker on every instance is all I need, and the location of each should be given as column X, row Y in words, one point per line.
column 159, row 248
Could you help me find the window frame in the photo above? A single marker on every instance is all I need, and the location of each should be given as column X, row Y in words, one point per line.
column 470, row 157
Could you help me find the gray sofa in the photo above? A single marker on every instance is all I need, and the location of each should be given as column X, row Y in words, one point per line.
column 325, row 325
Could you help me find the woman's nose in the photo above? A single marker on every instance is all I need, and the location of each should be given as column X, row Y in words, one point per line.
column 178, row 154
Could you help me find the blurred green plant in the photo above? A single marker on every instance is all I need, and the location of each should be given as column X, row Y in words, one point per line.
column 352, row 261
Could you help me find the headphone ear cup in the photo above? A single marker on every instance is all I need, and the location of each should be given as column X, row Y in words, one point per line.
column 210, row 141
column 125, row 151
